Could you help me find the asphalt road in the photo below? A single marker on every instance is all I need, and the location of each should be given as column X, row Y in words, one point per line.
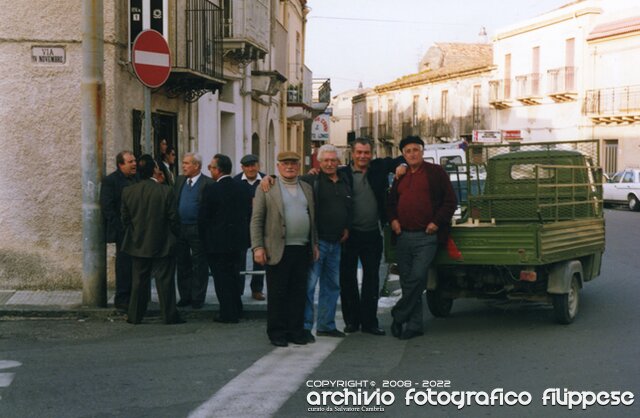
column 97, row 368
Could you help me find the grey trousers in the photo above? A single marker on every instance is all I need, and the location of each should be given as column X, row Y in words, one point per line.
column 415, row 251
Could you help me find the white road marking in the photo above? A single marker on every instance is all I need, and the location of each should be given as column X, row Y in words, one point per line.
column 7, row 378
column 265, row 386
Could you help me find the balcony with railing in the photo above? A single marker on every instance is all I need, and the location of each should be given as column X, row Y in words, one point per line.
column 383, row 132
column 528, row 89
column 561, row 84
column 500, row 93
column 196, row 49
column 299, row 97
column 321, row 93
column 365, row 132
column 613, row 105
column 409, row 129
column 246, row 29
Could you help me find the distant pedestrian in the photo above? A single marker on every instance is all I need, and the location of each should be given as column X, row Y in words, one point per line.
column 193, row 272
column 283, row 237
column 167, row 164
column 223, row 221
column 421, row 205
column 150, row 221
column 110, row 202
column 251, row 176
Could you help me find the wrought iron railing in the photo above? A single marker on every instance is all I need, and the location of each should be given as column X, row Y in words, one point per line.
column 612, row 101
column 561, row 80
column 203, row 38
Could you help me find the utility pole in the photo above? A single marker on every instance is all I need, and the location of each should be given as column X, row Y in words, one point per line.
column 94, row 277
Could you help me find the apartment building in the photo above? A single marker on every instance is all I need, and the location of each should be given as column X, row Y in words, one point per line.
column 234, row 64
column 611, row 101
column 443, row 102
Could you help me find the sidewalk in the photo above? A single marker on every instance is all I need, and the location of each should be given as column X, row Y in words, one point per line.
column 68, row 304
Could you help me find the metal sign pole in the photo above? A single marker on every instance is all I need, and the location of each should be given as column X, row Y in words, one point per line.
column 147, row 121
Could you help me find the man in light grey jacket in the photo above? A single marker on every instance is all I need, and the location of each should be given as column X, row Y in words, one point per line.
column 283, row 237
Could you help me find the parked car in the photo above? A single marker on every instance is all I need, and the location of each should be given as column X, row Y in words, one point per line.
column 623, row 188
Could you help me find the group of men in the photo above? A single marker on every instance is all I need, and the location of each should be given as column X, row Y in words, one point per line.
column 206, row 229
column 345, row 210
column 308, row 231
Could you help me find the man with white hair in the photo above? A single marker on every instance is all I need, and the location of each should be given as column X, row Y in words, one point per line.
column 193, row 271
column 334, row 207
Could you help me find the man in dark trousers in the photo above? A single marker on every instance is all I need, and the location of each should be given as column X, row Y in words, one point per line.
column 369, row 183
column 150, row 222
column 193, row 272
column 283, row 236
column 251, row 176
column 110, row 200
column 421, row 204
column 223, row 223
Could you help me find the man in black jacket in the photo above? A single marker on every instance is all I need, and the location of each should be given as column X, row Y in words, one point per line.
column 223, row 222
column 369, row 182
column 251, row 176
column 110, row 198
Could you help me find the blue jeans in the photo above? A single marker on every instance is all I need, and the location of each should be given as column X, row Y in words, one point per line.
column 327, row 271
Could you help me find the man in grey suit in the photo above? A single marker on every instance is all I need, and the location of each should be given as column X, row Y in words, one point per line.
column 193, row 272
column 150, row 222
column 283, row 237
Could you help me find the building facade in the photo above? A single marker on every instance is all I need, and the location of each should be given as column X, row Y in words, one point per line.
column 232, row 62
column 445, row 101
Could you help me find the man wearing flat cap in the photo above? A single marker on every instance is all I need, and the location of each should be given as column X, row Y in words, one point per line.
column 421, row 204
column 283, row 237
column 251, row 176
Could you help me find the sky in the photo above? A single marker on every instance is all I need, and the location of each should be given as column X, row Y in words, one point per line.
column 377, row 41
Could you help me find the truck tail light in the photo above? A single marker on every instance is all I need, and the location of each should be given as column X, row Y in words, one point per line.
column 528, row 276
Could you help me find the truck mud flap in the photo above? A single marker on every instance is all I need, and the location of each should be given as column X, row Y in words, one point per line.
column 560, row 277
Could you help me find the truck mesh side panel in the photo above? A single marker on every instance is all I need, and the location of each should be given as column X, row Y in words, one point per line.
column 519, row 188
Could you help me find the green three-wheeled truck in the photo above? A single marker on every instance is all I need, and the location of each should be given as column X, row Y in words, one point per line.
column 531, row 226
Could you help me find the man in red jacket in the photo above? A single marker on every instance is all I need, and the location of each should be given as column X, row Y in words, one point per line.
column 421, row 205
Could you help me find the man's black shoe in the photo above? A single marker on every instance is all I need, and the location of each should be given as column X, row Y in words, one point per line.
column 182, row 303
column 396, row 328
column 197, row 305
column 349, row 328
column 300, row 340
column 408, row 334
column 225, row 321
column 279, row 342
column 309, row 336
column 374, row 331
column 332, row 333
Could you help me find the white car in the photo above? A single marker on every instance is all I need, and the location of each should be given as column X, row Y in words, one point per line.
column 623, row 187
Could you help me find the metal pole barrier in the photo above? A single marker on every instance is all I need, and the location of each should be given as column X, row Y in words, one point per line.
column 147, row 120
column 94, row 283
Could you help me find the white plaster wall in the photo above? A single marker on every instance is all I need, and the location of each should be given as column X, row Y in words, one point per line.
column 548, row 120
column 40, row 121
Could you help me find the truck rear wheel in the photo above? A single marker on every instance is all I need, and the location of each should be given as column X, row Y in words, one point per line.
column 566, row 306
column 439, row 306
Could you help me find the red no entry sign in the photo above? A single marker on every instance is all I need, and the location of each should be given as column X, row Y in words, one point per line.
column 151, row 58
